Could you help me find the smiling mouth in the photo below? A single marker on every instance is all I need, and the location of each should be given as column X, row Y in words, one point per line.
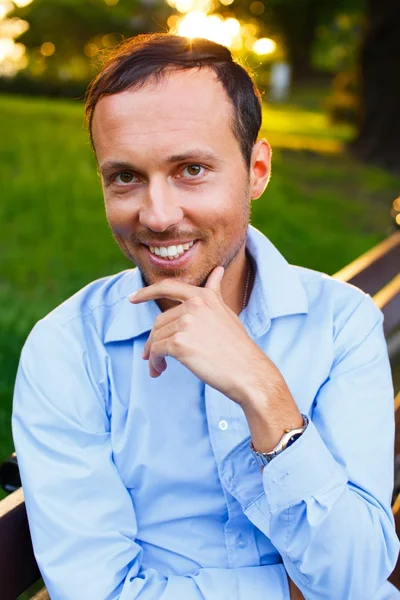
column 171, row 252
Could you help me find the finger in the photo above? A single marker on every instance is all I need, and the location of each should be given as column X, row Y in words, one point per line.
column 171, row 289
column 185, row 322
column 214, row 279
column 153, row 372
column 163, row 319
column 158, row 335
column 159, row 350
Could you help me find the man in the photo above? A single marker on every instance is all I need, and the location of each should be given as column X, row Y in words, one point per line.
column 215, row 424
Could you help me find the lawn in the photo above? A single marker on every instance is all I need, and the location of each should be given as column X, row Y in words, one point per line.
column 321, row 209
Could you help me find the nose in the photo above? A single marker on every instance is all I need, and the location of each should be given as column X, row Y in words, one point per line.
column 160, row 208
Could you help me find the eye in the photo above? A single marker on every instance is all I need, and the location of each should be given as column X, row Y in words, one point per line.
column 193, row 171
column 124, row 177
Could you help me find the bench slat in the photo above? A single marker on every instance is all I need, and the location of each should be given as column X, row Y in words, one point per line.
column 391, row 312
column 372, row 270
column 41, row 595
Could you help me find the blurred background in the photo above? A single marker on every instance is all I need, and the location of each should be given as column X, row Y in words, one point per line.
column 329, row 73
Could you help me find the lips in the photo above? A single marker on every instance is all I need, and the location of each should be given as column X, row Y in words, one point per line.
column 170, row 262
column 172, row 251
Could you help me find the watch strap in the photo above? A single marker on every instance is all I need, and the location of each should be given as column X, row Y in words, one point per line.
column 288, row 438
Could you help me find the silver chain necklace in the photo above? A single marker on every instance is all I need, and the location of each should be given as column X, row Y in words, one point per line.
column 246, row 287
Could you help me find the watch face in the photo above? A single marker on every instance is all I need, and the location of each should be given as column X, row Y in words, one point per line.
column 293, row 439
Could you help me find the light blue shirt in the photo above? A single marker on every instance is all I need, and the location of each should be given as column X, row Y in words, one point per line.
column 141, row 488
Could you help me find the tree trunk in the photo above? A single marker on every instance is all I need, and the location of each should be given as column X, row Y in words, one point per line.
column 298, row 21
column 378, row 139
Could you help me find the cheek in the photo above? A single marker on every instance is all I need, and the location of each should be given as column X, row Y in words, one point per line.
column 120, row 216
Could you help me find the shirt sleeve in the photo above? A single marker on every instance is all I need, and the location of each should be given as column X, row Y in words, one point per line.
column 325, row 502
column 81, row 516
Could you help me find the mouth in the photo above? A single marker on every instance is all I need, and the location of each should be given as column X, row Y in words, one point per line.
column 172, row 256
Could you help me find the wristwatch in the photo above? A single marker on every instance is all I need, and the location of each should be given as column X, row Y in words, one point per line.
column 288, row 438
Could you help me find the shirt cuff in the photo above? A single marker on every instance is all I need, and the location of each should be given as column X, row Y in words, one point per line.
column 297, row 473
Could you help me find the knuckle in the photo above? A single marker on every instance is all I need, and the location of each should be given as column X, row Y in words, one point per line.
column 158, row 319
column 157, row 348
column 177, row 340
column 196, row 302
column 186, row 321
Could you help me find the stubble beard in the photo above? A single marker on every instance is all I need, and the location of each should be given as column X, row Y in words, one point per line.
column 200, row 279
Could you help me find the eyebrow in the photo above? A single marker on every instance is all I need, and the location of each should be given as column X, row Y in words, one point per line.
column 195, row 154
column 111, row 165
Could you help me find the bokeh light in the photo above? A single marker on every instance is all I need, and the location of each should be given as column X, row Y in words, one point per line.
column 91, row 50
column 186, row 6
column 257, row 8
column 47, row 49
column 264, row 46
column 22, row 3
column 5, row 8
column 12, row 54
column 109, row 40
column 199, row 20
column 212, row 27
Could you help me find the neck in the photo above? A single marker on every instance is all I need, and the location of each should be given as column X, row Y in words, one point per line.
column 234, row 282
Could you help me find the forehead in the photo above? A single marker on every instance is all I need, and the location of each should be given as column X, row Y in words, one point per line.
column 185, row 108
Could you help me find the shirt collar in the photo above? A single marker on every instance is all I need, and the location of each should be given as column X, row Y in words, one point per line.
column 277, row 292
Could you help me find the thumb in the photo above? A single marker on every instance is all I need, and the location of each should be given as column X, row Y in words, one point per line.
column 214, row 279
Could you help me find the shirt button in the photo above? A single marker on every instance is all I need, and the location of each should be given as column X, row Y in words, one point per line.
column 223, row 425
column 241, row 543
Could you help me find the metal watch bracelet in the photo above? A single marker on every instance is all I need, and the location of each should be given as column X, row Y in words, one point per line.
column 288, row 438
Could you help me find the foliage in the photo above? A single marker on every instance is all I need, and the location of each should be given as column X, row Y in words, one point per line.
column 312, row 32
column 80, row 31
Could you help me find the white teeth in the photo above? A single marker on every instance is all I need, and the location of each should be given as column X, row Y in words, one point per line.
column 170, row 252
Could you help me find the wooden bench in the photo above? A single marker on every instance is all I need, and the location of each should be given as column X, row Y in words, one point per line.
column 376, row 272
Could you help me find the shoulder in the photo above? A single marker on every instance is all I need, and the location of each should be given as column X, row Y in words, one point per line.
column 337, row 302
column 88, row 313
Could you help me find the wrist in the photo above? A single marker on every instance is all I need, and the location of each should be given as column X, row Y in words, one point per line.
column 268, row 421
column 288, row 438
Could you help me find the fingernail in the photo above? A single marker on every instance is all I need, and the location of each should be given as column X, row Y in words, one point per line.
column 132, row 296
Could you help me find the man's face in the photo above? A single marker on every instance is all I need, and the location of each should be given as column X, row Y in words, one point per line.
column 173, row 174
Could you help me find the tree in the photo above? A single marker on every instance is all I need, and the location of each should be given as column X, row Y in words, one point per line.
column 76, row 31
column 297, row 22
column 378, row 139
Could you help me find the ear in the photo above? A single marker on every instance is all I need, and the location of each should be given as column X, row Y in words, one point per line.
column 260, row 168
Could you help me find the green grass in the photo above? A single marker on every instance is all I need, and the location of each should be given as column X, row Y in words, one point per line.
column 320, row 210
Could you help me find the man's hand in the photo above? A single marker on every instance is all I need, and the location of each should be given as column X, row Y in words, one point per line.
column 206, row 336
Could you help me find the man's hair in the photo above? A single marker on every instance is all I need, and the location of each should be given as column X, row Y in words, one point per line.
column 146, row 56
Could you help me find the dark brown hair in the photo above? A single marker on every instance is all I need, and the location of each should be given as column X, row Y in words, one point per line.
column 147, row 56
